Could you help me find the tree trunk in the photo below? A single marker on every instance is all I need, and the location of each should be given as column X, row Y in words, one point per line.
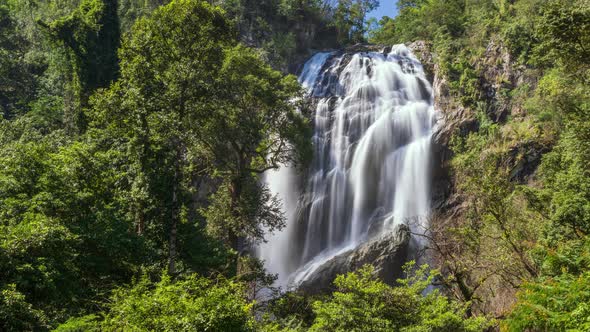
column 173, row 233
column 174, row 216
column 172, row 251
column 235, row 192
column 140, row 222
column 143, row 149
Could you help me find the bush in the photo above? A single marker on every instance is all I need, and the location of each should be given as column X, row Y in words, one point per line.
column 190, row 304
column 363, row 303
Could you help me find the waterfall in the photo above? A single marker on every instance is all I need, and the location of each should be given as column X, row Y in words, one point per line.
column 373, row 125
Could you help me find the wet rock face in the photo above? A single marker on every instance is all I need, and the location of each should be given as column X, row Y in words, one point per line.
column 386, row 253
column 453, row 118
column 296, row 66
column 422, row 51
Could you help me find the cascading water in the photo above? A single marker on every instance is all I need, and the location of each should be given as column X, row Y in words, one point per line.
column 372, row 142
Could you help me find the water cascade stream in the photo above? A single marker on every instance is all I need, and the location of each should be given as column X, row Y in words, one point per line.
column 373, row 126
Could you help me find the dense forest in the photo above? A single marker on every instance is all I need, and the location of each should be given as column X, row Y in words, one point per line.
column 134, row 134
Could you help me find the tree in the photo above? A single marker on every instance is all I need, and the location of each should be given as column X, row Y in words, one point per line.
column 349, row 19
column 64, row 238
column 254, row 128
column 190, row 304
column 564, row 30
column 131, row 10
column 169, row 64
column 422, row 20
column 90, row 36
column 560, row 299
column 17, row 79
column 18, row 315
column 489, row 244
column 363, row 303
column 192, row 103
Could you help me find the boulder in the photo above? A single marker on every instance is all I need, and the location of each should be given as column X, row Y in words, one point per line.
column 386, row 253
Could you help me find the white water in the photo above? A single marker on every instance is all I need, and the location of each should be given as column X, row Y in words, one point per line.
column 372, row 146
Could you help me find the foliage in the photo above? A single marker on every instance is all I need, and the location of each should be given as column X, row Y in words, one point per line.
column 81, row 214
column 284, row 29
column 168, row 66
column 558, row 299
column 419, row 19
column 363, row 303
column 260, row 131
column 290, row 311
column 555, row 304
column 17, row 77
column 16, row 314
column 563, row 31
column 567, row 180
column 131, row 10
column 349, row 19
column 193, row 105
column 191, row 304
column 91, row 37
column 62, row 236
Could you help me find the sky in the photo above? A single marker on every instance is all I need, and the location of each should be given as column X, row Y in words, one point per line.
column 387, row 8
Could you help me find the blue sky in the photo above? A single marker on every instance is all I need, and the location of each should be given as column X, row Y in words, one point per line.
column 387, row 8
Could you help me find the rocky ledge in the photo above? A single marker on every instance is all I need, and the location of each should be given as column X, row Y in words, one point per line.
column 386, row 253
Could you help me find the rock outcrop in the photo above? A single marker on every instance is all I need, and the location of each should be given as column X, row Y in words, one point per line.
column 386, row 253
column 454, row 116
column 497, row 73
column 525, row 158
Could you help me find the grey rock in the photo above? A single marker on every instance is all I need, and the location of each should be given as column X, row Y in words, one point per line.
column 422, row 50
column 386, row 253
column 525, row 159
